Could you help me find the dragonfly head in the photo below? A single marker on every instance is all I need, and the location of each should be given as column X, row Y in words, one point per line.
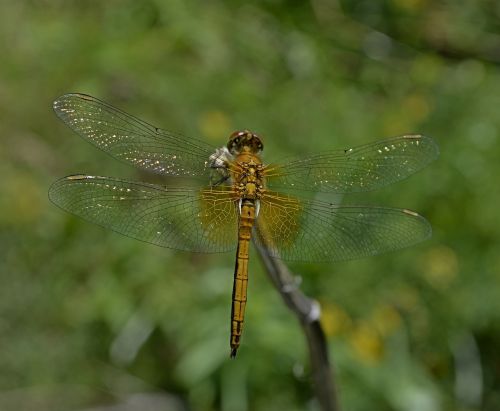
column 244, row 141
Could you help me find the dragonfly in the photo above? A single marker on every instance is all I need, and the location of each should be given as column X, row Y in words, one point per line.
column 230, row 196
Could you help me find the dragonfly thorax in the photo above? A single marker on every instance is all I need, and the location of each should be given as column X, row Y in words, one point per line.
column 249, row 180
column 244, row 142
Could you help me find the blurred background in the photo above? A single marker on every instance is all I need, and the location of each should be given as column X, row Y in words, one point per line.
column 91, row 320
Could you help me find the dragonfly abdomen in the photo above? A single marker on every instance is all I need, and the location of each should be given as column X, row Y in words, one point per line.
column 247, row 219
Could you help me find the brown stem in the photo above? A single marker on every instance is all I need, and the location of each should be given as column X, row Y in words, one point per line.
column 308, row 313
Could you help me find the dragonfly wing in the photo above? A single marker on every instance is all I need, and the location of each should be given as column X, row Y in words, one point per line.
column 193, row 220
column 363, row 168
column 132, row 140
column 309, row 231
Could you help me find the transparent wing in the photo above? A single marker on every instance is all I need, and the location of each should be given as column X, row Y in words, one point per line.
column 363, row 168
column 193, row 220
column 132, row 140
column 299, row 230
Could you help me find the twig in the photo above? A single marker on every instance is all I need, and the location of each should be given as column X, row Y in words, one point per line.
column 307, row 311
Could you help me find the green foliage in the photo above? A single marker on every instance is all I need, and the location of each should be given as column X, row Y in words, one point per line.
column 86, row 314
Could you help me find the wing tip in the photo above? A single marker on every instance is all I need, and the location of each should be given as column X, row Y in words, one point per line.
column 68, row 96
column 431, row 142
column 426, row 226
column 56, row 184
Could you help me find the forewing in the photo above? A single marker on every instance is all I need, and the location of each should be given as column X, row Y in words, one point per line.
column 180, row 218
column 132, row 140
column 363, row 168
column 309, row 231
